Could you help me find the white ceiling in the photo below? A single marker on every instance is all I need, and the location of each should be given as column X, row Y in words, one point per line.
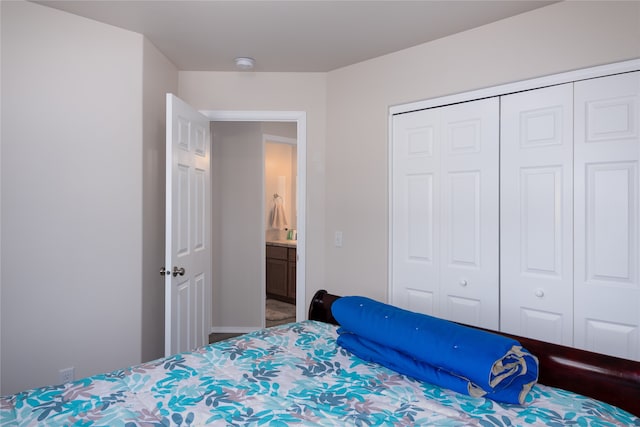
column 298, row 36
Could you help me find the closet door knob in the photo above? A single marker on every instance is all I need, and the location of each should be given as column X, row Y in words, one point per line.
column 178, row 271
column 463, row 282
column 539, row 293
column 164, row 272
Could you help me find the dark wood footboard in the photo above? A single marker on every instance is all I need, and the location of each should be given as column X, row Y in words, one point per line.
column 606, row 378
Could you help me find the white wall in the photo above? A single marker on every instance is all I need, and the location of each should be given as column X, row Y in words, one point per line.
column 72, row 195
column 560, row 37
column 276, row 92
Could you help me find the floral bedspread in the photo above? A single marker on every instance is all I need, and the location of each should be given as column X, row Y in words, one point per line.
column 287, row 375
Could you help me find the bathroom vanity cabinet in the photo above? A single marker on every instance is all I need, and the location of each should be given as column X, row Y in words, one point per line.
column 281, row 272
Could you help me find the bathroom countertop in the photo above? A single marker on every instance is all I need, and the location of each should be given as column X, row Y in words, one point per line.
column 285, row 243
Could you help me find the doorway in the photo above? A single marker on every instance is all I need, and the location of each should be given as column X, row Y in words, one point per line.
column 280, row 183
column 241, row 238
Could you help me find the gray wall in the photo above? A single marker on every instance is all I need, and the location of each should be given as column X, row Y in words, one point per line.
column 160, row 76
column 237, row 223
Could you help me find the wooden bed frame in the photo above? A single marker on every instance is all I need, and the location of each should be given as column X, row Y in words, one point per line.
column 606, row 378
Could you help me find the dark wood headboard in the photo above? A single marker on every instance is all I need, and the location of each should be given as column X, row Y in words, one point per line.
column 606, row 378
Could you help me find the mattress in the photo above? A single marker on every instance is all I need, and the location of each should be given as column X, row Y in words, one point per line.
column 293, row 374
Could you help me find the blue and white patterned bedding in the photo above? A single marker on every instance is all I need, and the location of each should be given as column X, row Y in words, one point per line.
column 287, row 375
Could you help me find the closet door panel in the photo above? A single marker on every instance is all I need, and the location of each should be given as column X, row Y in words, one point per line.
column 536, row 228
column 607, row 259
column 415, row 212
column 469, row 226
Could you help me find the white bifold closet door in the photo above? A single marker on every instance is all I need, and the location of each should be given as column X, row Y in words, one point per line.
column 607, row 189
column 445, row 212
column 536, row 214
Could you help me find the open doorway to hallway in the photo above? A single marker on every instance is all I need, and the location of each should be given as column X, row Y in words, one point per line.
column 243, row 206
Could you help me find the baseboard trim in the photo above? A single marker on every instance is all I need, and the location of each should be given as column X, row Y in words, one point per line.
column 233, row 329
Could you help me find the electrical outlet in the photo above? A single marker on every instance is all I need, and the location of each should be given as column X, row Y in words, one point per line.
column 67, row 374
column 337, row 239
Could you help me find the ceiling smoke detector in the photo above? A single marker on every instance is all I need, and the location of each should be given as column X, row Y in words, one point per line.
column 244, row 63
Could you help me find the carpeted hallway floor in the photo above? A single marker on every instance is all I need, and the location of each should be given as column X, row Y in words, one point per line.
column 276, row 313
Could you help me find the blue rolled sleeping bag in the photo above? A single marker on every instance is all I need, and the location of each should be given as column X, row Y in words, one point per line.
column 444, row 353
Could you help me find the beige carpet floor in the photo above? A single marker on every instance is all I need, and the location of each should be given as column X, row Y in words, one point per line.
column 276, row 313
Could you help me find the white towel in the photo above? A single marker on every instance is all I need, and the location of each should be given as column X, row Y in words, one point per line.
column 278, row 215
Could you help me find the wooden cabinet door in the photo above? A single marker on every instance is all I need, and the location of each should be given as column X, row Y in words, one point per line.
column 277, row 271
column 291, row 277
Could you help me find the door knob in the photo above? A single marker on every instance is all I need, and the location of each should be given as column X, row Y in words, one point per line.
column 178, row 271
column 164, row 272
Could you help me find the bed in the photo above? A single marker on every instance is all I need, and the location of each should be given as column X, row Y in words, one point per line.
column 296, row 374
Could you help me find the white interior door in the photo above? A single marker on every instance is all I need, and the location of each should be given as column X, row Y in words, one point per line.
column 444, row 230
column 607, row 215
column 469, row 226
column 536, row 217
column 188, row 228
column 415, row 236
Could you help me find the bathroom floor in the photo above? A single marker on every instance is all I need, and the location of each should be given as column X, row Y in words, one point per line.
column 279, row 313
